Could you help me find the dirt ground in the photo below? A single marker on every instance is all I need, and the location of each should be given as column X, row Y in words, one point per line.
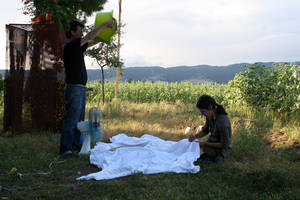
column 278, row 140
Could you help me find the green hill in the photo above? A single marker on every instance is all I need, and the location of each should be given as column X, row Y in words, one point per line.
column 196, row 74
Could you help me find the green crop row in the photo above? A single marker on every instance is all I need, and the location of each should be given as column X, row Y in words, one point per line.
column 147, row 92
column 271, row 88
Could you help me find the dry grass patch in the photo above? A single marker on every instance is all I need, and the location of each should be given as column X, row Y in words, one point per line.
column 279, row 140
column 164, row 120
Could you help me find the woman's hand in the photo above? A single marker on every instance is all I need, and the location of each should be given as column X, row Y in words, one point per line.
column 192, row 137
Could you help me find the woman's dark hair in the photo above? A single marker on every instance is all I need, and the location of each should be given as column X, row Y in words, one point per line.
column 205, row 101
column 73, row 27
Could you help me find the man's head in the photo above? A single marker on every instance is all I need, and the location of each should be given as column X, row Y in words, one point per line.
column 75, row 30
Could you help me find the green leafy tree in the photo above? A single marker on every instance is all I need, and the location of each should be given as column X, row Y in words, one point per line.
column 275, row 88
column 106, row 55
column 60, row 11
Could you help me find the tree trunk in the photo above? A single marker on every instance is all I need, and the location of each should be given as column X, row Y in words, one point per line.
column 119, row 48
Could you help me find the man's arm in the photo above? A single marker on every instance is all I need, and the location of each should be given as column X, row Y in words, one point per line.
column 92, row 43
column 90, row 36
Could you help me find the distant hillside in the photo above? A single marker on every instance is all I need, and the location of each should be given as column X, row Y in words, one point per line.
column 196, row 74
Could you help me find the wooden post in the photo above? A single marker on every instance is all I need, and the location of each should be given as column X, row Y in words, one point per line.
column 119, row 48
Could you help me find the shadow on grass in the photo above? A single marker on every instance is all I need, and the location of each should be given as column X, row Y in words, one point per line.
column 44, row 175
column 224, row 181
column 251, row 171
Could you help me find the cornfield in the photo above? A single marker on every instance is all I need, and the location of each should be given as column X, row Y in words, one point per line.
column 148, row 92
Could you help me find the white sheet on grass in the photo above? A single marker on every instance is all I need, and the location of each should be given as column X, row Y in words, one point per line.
column 147, row 155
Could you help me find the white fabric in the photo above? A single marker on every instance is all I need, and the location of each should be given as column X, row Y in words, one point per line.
column 148, row 155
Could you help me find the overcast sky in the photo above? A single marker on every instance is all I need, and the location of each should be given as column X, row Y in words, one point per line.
column 192, row 32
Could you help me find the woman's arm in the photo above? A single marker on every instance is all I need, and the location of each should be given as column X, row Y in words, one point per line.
column 200, row 133
column 218, row 145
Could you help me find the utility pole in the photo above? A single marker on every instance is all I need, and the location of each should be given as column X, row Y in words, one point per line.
column 119, row 48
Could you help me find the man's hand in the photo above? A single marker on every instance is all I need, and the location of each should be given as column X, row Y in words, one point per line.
column 92, row 34
column 110, row 23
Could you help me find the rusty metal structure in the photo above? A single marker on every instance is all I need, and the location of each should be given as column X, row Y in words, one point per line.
column 34, row 78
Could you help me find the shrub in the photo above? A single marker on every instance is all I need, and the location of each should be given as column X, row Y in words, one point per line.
column 275, row 88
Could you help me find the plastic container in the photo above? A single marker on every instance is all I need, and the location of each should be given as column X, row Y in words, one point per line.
column 106, row 34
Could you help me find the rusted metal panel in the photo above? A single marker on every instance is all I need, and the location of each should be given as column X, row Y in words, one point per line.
column 33, row 94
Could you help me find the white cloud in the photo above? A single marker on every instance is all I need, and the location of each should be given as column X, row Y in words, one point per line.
column 192, row 32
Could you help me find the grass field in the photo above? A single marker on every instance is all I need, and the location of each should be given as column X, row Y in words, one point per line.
column 263, row 164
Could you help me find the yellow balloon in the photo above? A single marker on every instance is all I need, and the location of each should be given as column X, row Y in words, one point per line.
column 107, row 33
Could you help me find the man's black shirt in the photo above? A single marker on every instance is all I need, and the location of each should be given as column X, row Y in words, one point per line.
column 74, row 62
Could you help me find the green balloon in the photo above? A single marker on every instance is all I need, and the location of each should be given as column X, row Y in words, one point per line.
column 107, row 33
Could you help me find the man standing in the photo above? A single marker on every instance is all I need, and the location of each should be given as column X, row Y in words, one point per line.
column 76, row 79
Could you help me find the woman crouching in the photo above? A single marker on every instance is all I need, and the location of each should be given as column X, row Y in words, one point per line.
column 218, row 125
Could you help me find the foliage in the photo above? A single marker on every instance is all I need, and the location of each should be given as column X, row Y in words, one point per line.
column 146, row 92
column 60, row 11
column 106, row 55
column 1, row 84
column 275, row 88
